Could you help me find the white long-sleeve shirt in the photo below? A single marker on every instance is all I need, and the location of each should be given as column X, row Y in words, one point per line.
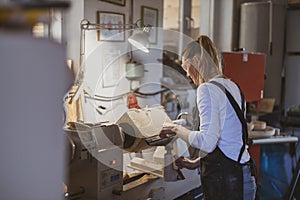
column 219, row 124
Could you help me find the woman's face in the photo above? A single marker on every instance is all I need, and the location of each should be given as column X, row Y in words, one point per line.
column 191, row 72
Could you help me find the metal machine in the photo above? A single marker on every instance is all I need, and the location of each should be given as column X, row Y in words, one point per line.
column 96, row 164
column 141, row 128
column 242, row 68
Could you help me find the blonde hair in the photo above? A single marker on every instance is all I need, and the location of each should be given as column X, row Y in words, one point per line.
column 208, row 65
column 206, row 43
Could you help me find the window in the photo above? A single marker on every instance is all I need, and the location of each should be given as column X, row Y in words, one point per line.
column 171, row 14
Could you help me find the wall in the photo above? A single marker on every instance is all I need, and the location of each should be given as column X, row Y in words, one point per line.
column 71, row 31
column 151, row 82
column 105, row 61
column 223, row 23
column 99, row 72
column 206, row 17
column 216, row 21
column 220, row 21
column 292, row 60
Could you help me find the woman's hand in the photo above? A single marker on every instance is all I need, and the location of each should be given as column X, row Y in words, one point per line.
column 183, row 162
column 170, row 129
column 166, row 133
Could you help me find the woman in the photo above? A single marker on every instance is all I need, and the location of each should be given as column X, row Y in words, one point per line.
column 221, row 139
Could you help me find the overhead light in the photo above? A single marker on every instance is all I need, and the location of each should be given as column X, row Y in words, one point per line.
column 140, row 40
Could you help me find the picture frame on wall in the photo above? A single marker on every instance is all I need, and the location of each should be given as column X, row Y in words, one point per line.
column 116, row 2
column 113, row 21
column 149, row 16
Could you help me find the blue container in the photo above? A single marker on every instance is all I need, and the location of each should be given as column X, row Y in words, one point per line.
column 273, row 177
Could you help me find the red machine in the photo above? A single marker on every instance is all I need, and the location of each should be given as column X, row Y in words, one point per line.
column 248, row 71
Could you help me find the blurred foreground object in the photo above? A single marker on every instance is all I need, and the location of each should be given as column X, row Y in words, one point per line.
column 34, row 79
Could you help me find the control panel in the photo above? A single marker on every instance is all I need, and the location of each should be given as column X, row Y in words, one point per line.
column 109, row 177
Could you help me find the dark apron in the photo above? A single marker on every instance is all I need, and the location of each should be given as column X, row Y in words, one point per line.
column 222, row 177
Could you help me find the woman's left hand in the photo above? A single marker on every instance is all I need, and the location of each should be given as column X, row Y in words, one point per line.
column 183, row 162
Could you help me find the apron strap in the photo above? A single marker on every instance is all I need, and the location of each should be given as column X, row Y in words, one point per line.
column 239, row 112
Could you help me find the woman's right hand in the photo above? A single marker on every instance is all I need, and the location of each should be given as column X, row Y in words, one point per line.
column 166, row 133
column 183, row 162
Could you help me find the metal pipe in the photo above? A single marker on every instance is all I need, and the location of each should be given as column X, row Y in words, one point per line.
column 270, row 27
column 87, row 25
column 82, row 46
column 211, row 18
column 181, row 114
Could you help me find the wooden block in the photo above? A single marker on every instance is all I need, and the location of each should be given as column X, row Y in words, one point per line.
column 266, row 105
column 147, row 166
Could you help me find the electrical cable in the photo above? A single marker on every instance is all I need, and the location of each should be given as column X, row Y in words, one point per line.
column 120, row 96
column 117, row 97
column 150, row 94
